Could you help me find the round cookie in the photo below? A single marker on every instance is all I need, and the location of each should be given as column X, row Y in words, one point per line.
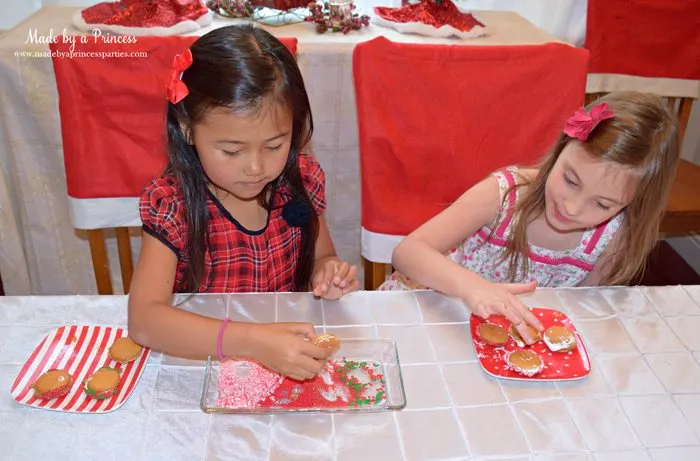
column 526, row 363
column 559, row 339
column 52, row 384
column 103, row 384
column 493, row 334
column 327, row 341
column 125, row 350
column 513, row 332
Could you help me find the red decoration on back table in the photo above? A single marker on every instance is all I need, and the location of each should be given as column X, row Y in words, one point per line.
column 436, row 13
column 140, row 13
column 282, row 5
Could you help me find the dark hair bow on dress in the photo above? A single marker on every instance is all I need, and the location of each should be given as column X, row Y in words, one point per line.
column 177, row 90
column 296, row 212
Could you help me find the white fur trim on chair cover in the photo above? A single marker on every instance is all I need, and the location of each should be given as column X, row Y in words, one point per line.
column 670, row 87
column 102, row 213
column 378, row 247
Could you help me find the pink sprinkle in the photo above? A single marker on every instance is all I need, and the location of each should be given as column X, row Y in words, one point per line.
column 245, row 391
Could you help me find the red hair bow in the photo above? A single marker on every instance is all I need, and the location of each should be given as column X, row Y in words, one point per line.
column 582, row 123
column 177, row 89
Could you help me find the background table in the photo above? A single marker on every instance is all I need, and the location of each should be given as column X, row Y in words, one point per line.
column 640, row 402
column 565, row 19
column 40, row 251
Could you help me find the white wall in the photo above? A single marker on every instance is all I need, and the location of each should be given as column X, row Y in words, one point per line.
column 14, row 11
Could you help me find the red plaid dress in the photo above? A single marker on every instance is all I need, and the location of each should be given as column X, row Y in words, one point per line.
column 236, row 260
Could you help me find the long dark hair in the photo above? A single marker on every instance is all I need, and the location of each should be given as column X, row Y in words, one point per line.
column 243, row 68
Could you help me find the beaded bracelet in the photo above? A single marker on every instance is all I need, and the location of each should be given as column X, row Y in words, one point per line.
column 219, row 351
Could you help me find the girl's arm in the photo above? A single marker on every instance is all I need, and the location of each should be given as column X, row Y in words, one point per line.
column 421, row 256
column 325, row 250
column 155, row 323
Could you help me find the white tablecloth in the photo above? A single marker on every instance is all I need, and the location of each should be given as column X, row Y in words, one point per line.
column 640, row 402
column 40, row 252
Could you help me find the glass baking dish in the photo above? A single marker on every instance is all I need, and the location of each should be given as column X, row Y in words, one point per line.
column 364, row 376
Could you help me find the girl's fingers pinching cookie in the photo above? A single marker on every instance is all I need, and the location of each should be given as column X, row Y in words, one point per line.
column 302, row 329
column 520, row 315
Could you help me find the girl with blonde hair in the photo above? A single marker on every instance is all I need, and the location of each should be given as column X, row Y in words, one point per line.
column 589, row 214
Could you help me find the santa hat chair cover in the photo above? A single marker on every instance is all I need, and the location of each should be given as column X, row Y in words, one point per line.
column 435, row 119
column 651, row 46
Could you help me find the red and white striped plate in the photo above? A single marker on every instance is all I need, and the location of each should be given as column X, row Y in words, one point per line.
column 79, row 350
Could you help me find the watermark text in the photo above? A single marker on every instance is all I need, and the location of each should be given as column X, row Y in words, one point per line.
column 33, row 37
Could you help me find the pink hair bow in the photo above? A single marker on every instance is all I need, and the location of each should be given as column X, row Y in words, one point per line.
column 582, row 123
column 177, row 89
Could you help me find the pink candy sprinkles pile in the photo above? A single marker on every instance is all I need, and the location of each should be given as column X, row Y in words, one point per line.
column 236, row 391
column 342, row 384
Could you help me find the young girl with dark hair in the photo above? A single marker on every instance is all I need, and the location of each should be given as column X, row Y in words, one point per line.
column 239, row 207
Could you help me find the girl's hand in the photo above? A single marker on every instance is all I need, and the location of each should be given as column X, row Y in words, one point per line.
column 334, row 278
column 487, row 298
column 286, row 348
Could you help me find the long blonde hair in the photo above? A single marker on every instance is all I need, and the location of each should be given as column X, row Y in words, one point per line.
column 642, row 135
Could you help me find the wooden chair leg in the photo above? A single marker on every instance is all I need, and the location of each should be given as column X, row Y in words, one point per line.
column 375, row 274
column 126, row 264
column 100, row 263
column 684, row 109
